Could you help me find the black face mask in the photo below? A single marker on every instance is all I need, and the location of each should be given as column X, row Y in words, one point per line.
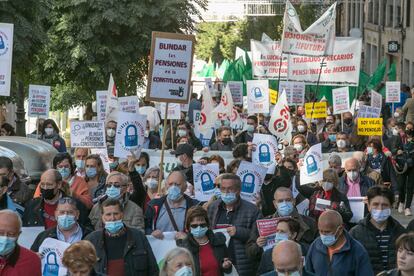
column 348, row 121
column 47, row 194
column 226, row 141
column 291, row 172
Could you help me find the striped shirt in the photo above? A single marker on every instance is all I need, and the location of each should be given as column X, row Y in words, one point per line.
column 383, row 239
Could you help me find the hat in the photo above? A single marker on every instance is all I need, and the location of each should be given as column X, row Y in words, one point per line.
column 184, row 148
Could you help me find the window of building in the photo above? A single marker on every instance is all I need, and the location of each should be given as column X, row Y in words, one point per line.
column 406, row 71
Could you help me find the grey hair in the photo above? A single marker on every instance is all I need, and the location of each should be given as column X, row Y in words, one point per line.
column 180, row 173
column 124, row 178
column 151, row 170
column 335, row 159
column 178, row 251
column 231, row 176
column 14, row 213
column 284, row 189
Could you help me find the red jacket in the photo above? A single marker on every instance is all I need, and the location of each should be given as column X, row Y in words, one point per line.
column 21, row 262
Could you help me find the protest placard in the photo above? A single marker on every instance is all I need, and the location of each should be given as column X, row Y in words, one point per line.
column 129, row 104
column 103, row 154
column 272, row 96
column 266, row 60
column 160, row 247
column 266, row 149
column 315, row 110
column 169, row 75
column 267, row 228
column 87, row 134
column 312, row 165
column 340, row 97
column 204, row 176
column 39, row 101
column 252, row 177
column 174, row 111
column 101, row 96
column 112, row 105
column 392, row 91
column 51, row 252
column 295, row 91
column 28, row 235
column 370, row 126
column 6, row 54
column 236, row 89
column 129, row 134
column 258, row 96
column 376, row 99
column 357, row 207
column 366, row 111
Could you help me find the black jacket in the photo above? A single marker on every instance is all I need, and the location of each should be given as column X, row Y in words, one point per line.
column 365, row 233
column 138, row 256
column 51, row 233
column 140, row 191
column 218, row 243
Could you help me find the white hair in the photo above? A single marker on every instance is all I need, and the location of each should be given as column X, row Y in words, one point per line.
column 13, row 213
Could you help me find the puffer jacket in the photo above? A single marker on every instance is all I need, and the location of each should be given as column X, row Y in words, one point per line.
column 244, row 218
column 365, row 233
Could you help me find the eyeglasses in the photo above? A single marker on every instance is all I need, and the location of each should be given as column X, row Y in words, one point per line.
column 68, row 200
column 197, row 225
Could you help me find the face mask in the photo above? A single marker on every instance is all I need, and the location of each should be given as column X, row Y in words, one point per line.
column 332, row 137
column 281, row 237
column 301, row 128
column 113, row 165
column 110, row 132
column 113, row 192
column 396, row 114
column 294, row 273
column 113, row 226
column 66, row 222
column 341, row 143
column 7, row 245
column 217, row 193
column 298, row 147
column 226, row 123
column 91, row 172
column 151, row 183
column 285, row 208
column 140, row 169
column 64, row 172
column 226, row 141
column 182, row 132
column 184, row 271
column 395, row 132
column 250, row 128
column 327, row 186
column 146, row 133
column 174, row 193
column 348, row 121
column 380, row 215
column 47, row 194
column 228, row 198
column 352, row 175
column 178, row 161
column 49, row 131
column 80, row 164
column 329, row 122
column 199, row 232
column 370, row 150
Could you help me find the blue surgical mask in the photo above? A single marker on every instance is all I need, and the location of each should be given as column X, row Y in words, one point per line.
column 228, row 198
column 7, row 245
column 66, row 222
column 380, row 215
column 114, row 226
column 370, row 150
column 113, row 165
column 174, row 193
column 285, row 208
column 293, row 273
column 182, row 132
column 140, row 169
column 199, row 232
column 151, row 183
column 184, row 271
column 64, row 172
column 250, row 128
column 332, row 137
column 91, row 172
column 113, row 192
column 281, row 237
column 80, row 164
column 329, row 239
column 217, row 193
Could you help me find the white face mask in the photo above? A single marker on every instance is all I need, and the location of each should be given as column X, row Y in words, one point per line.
column 110, row 132
column 298, row 147
column 327, row 186
column 146, row 133
column 49, row 131
column 301, row 128
column 353, row 175
column 341, row 143
column 395, row 132
column 396, row 114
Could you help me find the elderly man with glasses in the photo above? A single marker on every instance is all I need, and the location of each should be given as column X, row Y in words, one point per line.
column 116, row 188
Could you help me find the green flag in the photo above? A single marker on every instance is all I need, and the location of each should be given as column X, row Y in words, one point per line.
column 378, row 75
column 222, row 69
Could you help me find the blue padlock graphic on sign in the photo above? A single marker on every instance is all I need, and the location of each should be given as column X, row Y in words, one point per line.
column 206, row 182
column 257, row 92
column 311, row 165
column 264, row 153
column 51, row 268
column 131, row 136
column 248, row 183
column 2, row 46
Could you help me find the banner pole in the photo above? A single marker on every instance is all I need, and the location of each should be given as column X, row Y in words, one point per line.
column 278, row 78
column 172, row 134
column 342, row 121
column 392, row 109
column 37, row 127
column 164, row 134
column 319, row 76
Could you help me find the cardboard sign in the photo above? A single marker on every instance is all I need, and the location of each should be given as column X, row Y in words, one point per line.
column 29, row 235
column 39, row 101
column 236, row 89
column 370, row 126
column 174, row 111
column 266, row 149
column 365, row 111
column 266, row 60
column 315, row 110
column 204, row 176
column 129, row 104
column 272, row 96
column 101, row 96
column 280, row 124
column 312, row 165
column 267, row 227
column 171, row 62
column 357, row 207
column 376, row 99
column 295, row 92
column 87, row 134
column 392, row 92
column 340, row 97
column 258, row 96
column 252, row 177
column 51, row 252
column 129, row 134
column 6, row 54
column 160, row 247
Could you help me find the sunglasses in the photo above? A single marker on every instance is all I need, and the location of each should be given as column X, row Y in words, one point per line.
column 197, row 225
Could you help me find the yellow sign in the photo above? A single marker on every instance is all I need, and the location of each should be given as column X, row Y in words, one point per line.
column 370, row 126
column 272, row 96
column 315, row 110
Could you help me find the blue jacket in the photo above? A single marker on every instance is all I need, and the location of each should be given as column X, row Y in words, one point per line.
column 364, row 184
column 352, row 259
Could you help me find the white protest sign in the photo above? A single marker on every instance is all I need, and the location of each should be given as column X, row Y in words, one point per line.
column 39, row 101
column 236, row 89
column 6, row 54
column 209, row 85
column 280, row 123
column 204, row 176
column 169, row 75
column 103, row 153
column 87, row 134
column 252, row 177
column 295, row 91
column 161, row 247
column 340, row 98
column 266, row 60
column 357, row 207
column 311, row 170
column 392, row 91
column 129, row 134
column 174, row 111
column 101, row 96
column 376, row 99
column 258, row 96
column 112, row 104
column 340, row 68
column 266, row 149
column 51, row 252
column 366, row 111
column 29, row 235
column 128, row 104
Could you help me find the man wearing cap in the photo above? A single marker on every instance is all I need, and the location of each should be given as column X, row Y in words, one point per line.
column 184, row 154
